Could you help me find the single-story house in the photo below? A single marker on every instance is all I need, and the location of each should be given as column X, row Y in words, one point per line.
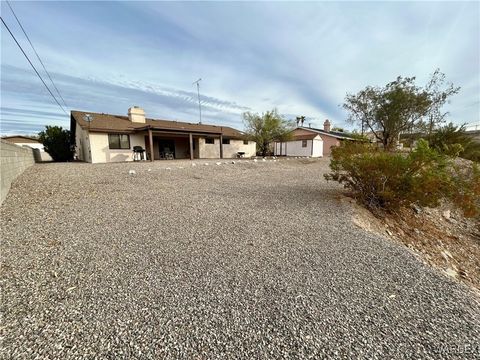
column 31, row 142
column 308, row 141
column 22, row 140
column 101, row 138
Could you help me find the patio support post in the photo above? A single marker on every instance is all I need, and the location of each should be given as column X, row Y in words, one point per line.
column 150, row 142
column 190, row 138
column 221, row 147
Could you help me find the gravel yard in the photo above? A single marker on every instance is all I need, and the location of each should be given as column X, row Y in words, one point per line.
column 232, row 261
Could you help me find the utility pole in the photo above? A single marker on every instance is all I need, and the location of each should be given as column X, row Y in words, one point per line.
column 198, row 93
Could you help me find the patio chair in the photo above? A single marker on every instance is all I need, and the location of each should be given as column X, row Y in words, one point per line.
column 168, row 154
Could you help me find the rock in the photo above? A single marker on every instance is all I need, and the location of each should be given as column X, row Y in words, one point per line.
column 233, row 162
column 206, row 164
column 218, row 163
column 389, row 232
column 193, row 164
column 416, row 208
column 446, row 214
column 463, row 273
column 149, row 170
column 168, row 168
column 444, row 255
column 132, row 172
column 452, row 273
column 264, row 159
column 255, row 160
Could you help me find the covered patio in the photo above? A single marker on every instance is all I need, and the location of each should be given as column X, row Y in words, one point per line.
column 169, row 145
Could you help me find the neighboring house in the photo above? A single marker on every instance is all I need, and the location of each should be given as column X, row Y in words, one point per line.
column 24, row 141
column 474, row 134
column 101, row 138
column 37, row 146
column 308, row 141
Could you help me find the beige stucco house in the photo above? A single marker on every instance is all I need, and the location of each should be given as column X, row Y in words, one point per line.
column 308, row 141
column 101, row 138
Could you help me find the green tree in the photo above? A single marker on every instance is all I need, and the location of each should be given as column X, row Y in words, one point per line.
column 266, row 128
column 57, row 143
column 399, row 107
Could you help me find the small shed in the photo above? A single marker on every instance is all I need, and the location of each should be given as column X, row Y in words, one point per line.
column 300, row 145
column 305, row 141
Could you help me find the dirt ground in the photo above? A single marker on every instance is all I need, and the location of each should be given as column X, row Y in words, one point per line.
column 442, row 237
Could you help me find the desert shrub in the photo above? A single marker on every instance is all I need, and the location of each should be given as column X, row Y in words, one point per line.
column 56, row 141
column 467, row 182
column 453, row 140
column 389, row 180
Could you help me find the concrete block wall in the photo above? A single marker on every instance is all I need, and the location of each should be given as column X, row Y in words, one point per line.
column 14, row 160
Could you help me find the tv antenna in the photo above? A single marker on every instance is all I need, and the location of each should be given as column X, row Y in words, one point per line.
column 198, row 93
column 88, row 119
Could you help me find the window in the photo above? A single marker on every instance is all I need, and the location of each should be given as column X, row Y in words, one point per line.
column 209, row 141
column 245, row 142
column 225, row 141
column 118, row 141
column 304, row 143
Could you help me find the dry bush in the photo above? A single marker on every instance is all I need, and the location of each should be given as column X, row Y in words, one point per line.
column 390, row 180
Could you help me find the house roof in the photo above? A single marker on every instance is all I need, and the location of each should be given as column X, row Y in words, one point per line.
column 21, row 139
column 335, row 134
column 305, row 137
column 122, row 124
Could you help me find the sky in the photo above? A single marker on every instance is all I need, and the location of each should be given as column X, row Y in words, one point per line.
column 301, row 58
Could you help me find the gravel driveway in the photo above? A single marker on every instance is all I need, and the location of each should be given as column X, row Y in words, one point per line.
column 231, row 261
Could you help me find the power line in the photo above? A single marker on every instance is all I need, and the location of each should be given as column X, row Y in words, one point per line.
column 26, row 56
column 38, row 56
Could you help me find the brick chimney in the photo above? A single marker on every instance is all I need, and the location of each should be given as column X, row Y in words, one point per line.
column 326, row 125
column 136, row 114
